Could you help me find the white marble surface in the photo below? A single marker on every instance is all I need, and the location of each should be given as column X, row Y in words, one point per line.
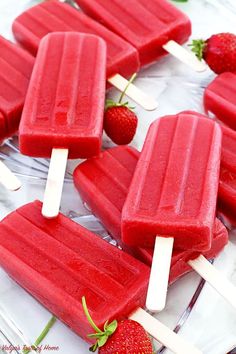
column 212, row 323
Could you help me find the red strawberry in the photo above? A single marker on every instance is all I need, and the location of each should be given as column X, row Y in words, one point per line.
column 219, row 51
column 120, row 124
column 127, row 337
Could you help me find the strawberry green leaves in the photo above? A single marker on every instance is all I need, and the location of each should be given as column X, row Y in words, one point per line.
column 197, row 47
column 99, row 335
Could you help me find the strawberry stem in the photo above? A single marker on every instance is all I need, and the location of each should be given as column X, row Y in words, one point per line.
column 89, row 318
column 100, row 336
column 127, row 86
column 42, row 335
column 198, row 46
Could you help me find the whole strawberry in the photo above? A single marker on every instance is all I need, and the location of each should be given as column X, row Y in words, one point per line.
column 129, row 338
column 120, row 122
column 126, row 337
column 219, row 51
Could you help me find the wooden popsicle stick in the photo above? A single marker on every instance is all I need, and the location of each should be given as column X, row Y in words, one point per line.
column 163, row 334
column 215, row 278
column 187, row 57
column 8, row 179
column 133, row 92
column 159, row 277
column 55, row 180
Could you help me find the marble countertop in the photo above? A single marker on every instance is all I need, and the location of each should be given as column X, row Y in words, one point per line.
column 211, row 325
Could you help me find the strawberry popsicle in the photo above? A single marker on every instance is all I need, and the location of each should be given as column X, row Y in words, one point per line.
column 220, row 98
column 58, row 262
column 63, row 112
column 103, row 183
column 51, row 16
column 153, row 27
column 174, row 188
column 105, row 193
column 15, row 70
column 172, row 196
column 227, row 184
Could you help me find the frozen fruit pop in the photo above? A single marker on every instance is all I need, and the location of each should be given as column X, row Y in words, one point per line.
column 153, row 27
column 58, row 262
column 172, row 196
column 174, row 188
column 103, row 183
column 50, row 16
column 63, row 111
column 220, row 98
column 15, row 69
column 227, row 184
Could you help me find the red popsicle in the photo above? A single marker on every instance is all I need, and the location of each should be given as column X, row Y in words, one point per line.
column 227, row 184
column 64, row 107
column 220, row 98
column 172, row 196
column 51, row 16
column 105, row 193
column 153, row 27
column 15, row 71
column 58, row 262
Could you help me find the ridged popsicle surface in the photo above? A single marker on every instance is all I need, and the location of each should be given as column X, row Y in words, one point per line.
column 147, row 25
column 220, row 98
column 58, row 261
column 174, row 188
column 65, row 101
column 52, row 16
column 103, row 183
column 15, row 70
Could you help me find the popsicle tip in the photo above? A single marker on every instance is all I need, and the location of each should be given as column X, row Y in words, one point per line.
column 132, row 91
column 8, row 179
column 150, row 104
column 201, row 66
column 48, row 213
column 156, row 306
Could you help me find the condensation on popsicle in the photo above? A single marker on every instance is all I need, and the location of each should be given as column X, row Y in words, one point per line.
column 51, row 16
column 153, row 27
column 220, row 98
column 64, row 107
column 105, row 192
column 78, row 263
